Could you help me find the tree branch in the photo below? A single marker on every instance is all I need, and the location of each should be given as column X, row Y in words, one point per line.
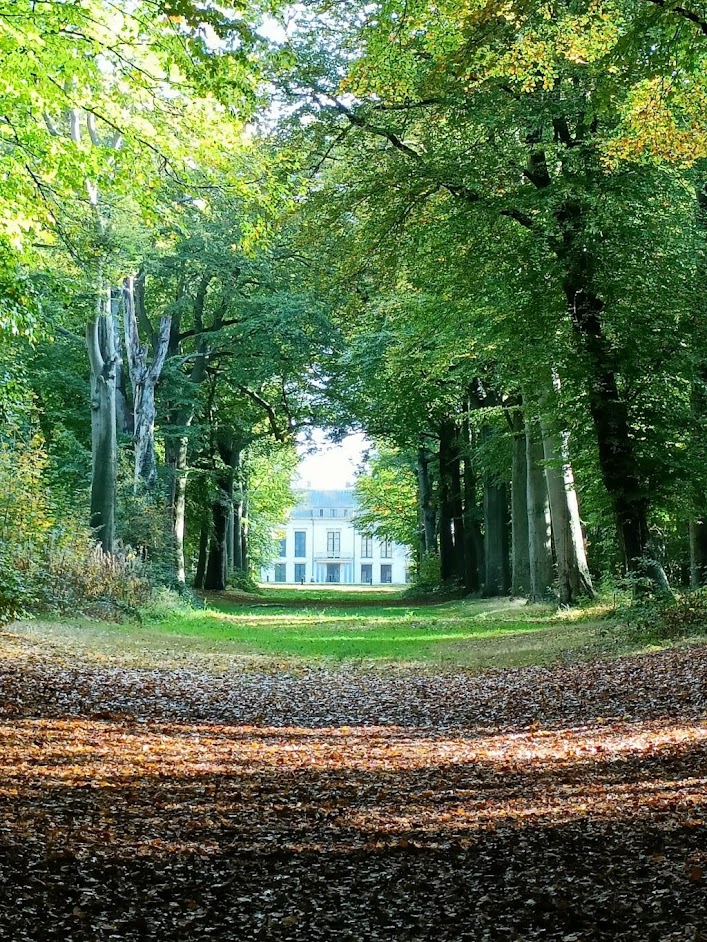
column 458, row 190
column 259, row 400
column 696, row 18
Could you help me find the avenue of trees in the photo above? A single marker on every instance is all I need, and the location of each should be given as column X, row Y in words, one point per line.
column 473, row 230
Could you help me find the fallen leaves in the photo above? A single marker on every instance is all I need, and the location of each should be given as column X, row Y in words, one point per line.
column 179, row 803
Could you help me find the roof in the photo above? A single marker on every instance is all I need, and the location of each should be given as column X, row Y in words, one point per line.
column 311, row 500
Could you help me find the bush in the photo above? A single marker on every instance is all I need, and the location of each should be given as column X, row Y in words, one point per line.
column 670, row 619
column 84, row 578
column 244, row 582
column 17, row 592
column 426, row 578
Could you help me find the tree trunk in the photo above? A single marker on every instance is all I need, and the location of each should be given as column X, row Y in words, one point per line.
column 182, row 418
column 123, row 413
column 539, row 535
column 230, row 535
column 475, row 567
column 615, row 441
column 178, row 508
column 103, row 357
column 457, row 510
column 446, row 541
column 428, row 535
column 238, row 564
column 698, row 552
column 201, row 560
column 144, row 379
column 520, row 550
column 245, row 557
column 215, row 579
column 230, row 453
column 573, row 578
column 497, row 580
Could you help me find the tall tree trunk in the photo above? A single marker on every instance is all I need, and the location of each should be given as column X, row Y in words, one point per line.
column 203, row 551
column 497, row 580
column 245, row 555
column 215, row 579
column 520, row 550
column 539, row 534
column 457, row 509
column 428, row 534
column 238, row 564
column 182, row 418
column 446, row 541
column 178, row 487
column 103, row 358
column 698, row 516
column 230, row 535
column 123, row 413
column 475, row 566
column 616, row 443
column 230, row 456
column 698, row 552
column 573, row 578
column 144, row 379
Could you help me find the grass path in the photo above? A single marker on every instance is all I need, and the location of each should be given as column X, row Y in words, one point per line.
column 291, row 627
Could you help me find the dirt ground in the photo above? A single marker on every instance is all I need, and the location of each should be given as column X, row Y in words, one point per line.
column 180, row 803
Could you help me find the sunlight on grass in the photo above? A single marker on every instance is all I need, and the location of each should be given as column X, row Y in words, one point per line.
column 472, row 634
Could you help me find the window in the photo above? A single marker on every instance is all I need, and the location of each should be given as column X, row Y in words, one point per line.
column 280, row 572
column 282, row 551
column 386, row 549
column 366, row 547
column 386, row 573
column 321, row 512
column 300, row 543
column 333, row 543
column 367, row 574
column 300, row 572
column 333, row 512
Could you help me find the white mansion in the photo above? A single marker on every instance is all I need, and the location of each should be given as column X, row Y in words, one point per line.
column 320, row 544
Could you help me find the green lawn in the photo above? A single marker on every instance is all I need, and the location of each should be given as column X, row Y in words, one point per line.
column 380, row 626
column 302, row 627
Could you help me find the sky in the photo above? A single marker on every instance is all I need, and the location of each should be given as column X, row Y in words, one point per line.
column 330, row 467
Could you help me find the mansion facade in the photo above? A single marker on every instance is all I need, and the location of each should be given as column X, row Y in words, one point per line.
column 320, row 544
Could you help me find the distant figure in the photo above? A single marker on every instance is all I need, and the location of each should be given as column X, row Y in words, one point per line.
column 301, row 581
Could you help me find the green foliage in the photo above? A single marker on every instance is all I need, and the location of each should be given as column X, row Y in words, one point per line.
column 669, row 619
column 269, row 470
column 244, row 582
column 85, row 579
column 426, row 576
column 163, row 604
column 386, row 491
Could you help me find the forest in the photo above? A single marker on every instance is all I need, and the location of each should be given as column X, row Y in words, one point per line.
column 474, row 231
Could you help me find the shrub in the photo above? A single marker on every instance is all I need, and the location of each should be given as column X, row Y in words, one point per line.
column 668, row 618
column 17, row 592
column 243, row 581
column 85, row 578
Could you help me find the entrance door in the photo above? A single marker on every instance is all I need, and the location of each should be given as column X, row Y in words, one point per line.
column 333, row 572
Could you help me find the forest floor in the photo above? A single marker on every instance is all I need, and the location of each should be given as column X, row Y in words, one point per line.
column 157, row 784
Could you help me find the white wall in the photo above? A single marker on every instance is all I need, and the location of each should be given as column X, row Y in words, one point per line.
column 349, row 558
